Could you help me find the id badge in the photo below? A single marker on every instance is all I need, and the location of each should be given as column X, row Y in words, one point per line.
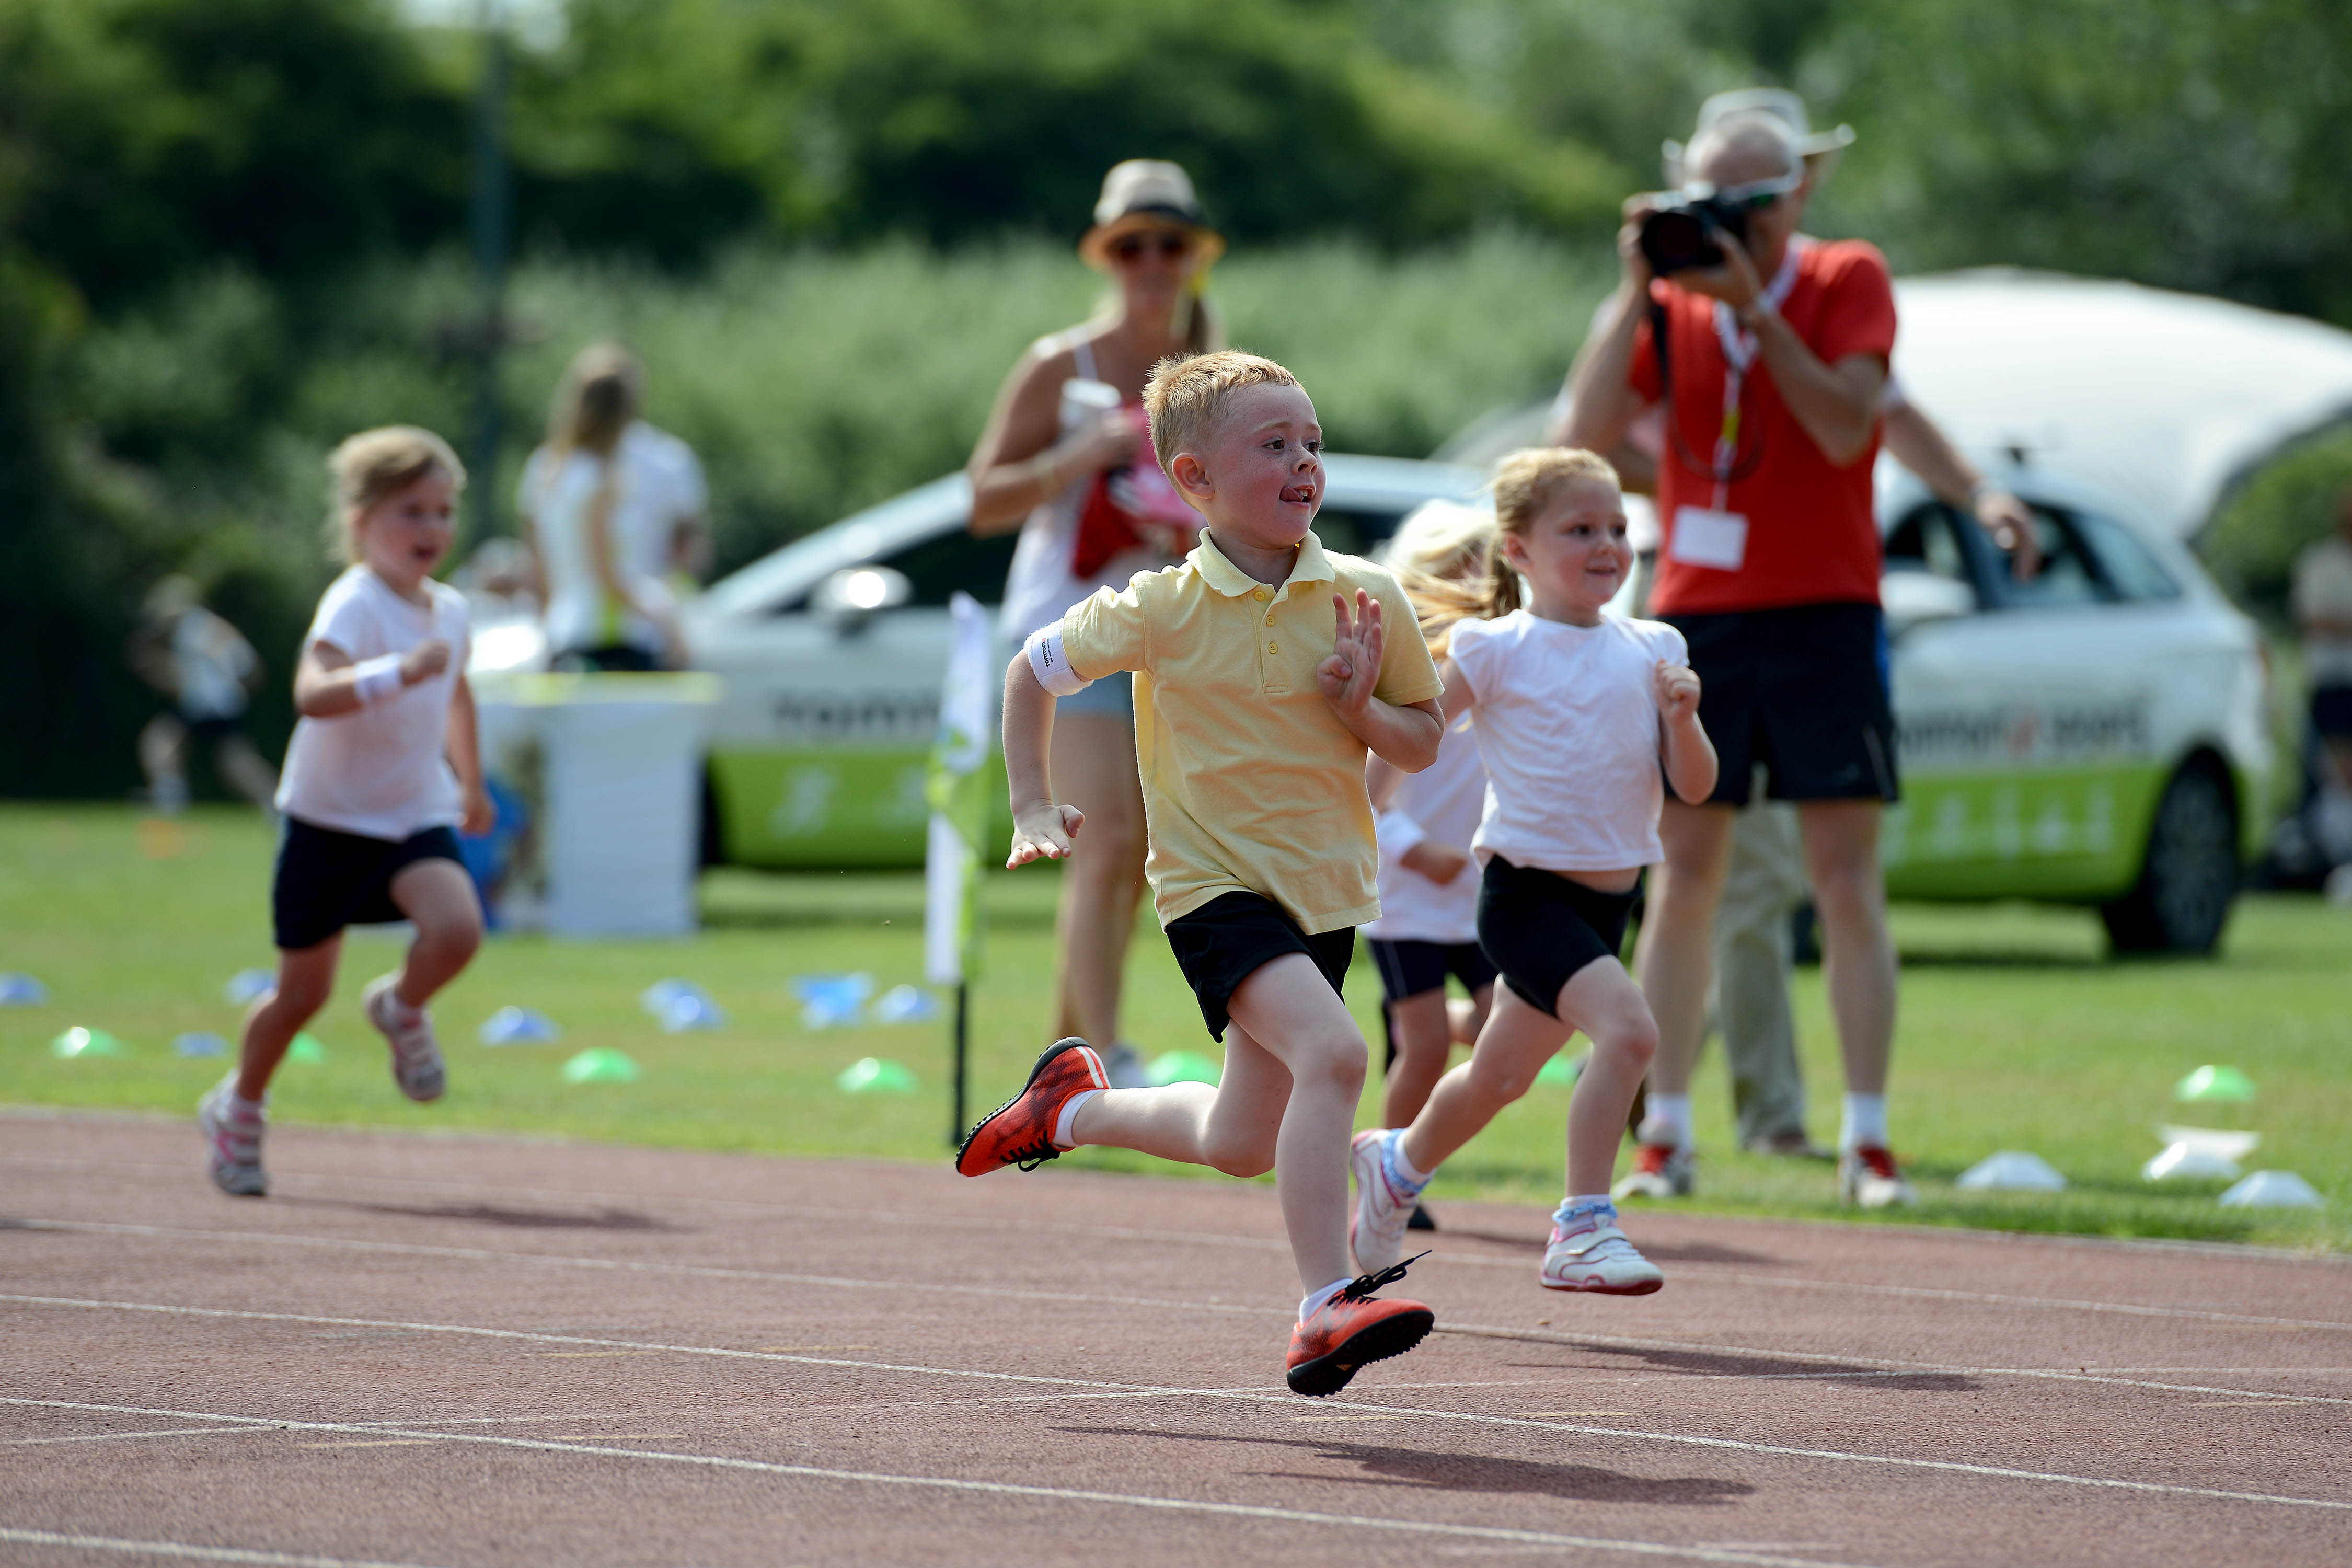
column 1706, row 537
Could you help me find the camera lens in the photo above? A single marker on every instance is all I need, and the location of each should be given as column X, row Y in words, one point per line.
column 1675, row 237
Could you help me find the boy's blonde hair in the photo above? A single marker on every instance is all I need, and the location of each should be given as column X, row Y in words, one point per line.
column 1524, row 483
column 1187, row 396
column 374, row 464
column 1441, row 556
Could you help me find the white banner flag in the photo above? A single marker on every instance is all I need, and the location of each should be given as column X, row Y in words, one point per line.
column 957, row 791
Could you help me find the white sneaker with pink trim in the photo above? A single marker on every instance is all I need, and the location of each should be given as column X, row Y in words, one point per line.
column 415, row 1054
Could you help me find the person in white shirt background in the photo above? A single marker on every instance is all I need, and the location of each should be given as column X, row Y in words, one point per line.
column 206, row 667
column 1428, row 928
column 611, row 508
column 385, row 766
column 2323, row 612
column 1066, row 459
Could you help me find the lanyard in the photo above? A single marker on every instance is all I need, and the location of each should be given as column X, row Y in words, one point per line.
column 1739, row 348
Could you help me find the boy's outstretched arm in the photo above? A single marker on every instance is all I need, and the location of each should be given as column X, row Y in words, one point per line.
column 1688, row 754
column 1042, row 830
column 1405, row 737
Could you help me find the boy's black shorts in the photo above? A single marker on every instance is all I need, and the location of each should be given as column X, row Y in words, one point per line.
column 328, row 880
column 1235, row 935
column 1802, row 690
column 1540, row 929
column 1409, row 968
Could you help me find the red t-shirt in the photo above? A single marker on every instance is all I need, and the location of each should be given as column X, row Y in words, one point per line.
column 1812, row 537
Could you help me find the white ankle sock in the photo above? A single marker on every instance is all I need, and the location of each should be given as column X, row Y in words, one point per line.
column 1401, row 1172
column 1674, row 1111
column 1312, row 1302
column 1062, row 1137
column 1587, row 1213
column 1865, row 1123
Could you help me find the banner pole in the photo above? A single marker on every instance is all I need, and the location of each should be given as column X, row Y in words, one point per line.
column 956, row 1127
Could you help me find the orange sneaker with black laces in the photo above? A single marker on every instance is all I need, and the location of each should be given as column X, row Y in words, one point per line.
column 1352, row 1328
column 1020, row 1131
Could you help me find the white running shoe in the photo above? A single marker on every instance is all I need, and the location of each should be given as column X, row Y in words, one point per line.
column 1601, row 1260
column 1663, row 1167
column 1867, row 1178
column 233, row 1141
column 1376, row 1228
column 415, row 1054
column 1123, row 1065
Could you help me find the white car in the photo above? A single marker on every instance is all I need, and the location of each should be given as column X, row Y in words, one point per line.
column 833, row 648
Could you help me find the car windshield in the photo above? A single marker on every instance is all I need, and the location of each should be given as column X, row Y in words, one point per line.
column 2132, row 568
column 2067, row 576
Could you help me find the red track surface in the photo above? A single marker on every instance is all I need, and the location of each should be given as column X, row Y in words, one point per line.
column 458, row 1352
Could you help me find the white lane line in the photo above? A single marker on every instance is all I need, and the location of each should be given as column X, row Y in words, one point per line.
column 1477, row 1330
column 187, row 1550
column 1246, row 1395
column 1005, row 1489
column 110, row 1436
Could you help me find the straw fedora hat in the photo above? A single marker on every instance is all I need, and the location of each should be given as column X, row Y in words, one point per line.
column 1148, row 194
column 1820, row 148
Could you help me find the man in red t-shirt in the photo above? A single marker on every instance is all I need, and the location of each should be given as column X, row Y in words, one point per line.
column 1771, row 372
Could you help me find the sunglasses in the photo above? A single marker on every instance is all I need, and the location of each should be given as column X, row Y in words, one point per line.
column 1167, row 246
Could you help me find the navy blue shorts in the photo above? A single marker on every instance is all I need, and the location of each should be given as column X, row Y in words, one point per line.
column 1410, row 968
column 1235, row 935
column 328, row 880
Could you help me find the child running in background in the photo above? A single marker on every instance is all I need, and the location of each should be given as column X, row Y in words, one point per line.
column 1428, row 927
column 1263, row 675
column 383, row 763
column 1575, row 712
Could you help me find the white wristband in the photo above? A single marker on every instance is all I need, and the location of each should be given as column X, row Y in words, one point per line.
column 1050, row 664
column 375, row 679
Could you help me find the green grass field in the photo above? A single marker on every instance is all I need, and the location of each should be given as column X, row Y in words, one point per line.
column 2017, row 1033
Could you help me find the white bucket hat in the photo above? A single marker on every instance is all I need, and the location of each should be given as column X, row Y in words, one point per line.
column 1148, row 194
column 1777, row 102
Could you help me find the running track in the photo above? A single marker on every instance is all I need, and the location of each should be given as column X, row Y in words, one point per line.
column 459, row 1352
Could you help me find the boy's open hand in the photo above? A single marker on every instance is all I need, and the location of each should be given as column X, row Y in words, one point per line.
column 1677, row 691
column 481, row 813
column 1348, row 677
column 1043, row 832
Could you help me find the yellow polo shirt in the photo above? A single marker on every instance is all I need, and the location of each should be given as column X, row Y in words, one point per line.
column 1250, row 782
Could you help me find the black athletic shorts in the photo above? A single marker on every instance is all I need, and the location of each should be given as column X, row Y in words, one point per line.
column 328, row 880
column 1235, row 935
column 2331, row 709
column 1801, row 690
column 1540, row 929
column 1410, row 968
column 618, row 655
column 213, row 731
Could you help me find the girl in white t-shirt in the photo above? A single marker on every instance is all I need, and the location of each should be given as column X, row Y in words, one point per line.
column 1576, row 716
column 1428, row 927
column 383, row 766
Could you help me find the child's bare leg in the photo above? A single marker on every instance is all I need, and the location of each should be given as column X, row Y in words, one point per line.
column 439, row 898
column 306, row 978
column 1465, row 1015
column 1425, row 1038
column 1290, row 1011
column 1602, row 1000
column 1229, row 1127
column 1511, row 1050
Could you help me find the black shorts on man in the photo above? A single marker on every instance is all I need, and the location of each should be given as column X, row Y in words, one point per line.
column 1410, row 968
column 2331, row 710
column 328, row 880
column 1800, row 689
column 1540, row 930
column 1235, row 935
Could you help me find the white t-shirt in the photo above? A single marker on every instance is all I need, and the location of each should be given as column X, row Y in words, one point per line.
column 212, row 662
column 1441, row 804
column 379, row 772
column 1567, row 727
column 2323, row 590
column 657, row 485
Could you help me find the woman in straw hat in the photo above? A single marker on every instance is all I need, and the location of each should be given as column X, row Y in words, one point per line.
column 1066, row 460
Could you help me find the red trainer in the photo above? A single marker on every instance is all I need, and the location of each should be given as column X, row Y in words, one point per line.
column 1020, row 1131
column 1350, row 1330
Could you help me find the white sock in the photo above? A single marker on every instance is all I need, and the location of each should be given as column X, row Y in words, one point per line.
column 1865, row 1123
column 242, row 1107
column 1587, row 1213
column 1312, row 1302
column 402, row 1013
column 1401, row 1172
column 1675, row 1111
column 1062, row 1137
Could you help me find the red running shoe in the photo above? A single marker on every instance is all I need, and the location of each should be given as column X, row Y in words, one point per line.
column 1351, row 1328
column 1020, row 1131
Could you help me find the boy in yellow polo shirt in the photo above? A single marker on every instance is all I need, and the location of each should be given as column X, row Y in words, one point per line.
column 1263, row 673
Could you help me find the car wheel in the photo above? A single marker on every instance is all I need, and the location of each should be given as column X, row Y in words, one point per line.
column 2191, row 874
